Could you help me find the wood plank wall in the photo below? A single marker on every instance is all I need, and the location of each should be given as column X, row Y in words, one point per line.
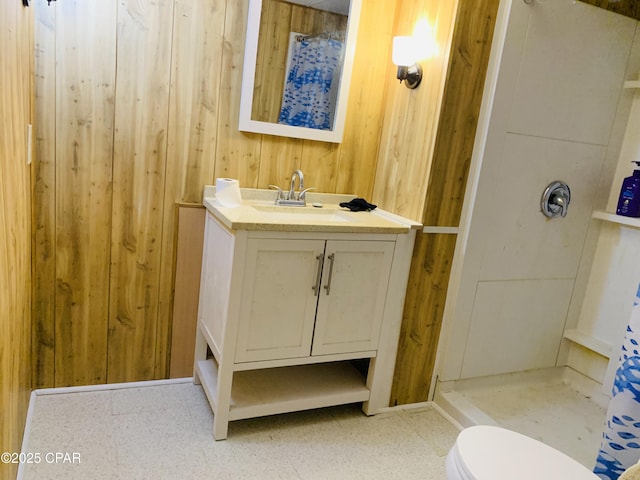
column 137, row 109
column 433, row 252
column 126, row 132
column 15, row 226
column 411, row 116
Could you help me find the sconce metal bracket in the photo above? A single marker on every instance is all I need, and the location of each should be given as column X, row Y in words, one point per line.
column 412, row 75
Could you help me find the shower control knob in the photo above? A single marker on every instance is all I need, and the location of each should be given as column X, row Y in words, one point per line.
column 555, row 199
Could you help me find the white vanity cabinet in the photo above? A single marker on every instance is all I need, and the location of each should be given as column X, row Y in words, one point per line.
column 312, row 297
column 284, row 314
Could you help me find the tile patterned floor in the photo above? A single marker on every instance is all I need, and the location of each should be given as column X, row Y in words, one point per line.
column 164, row 432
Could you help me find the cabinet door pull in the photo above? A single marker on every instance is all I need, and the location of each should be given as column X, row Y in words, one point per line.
column 327, row 287
column 316, row 287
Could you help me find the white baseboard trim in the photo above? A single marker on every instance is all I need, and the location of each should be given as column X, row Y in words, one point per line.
column 111, row 386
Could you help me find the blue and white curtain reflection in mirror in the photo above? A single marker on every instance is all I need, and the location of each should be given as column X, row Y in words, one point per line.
column 620, row 447
column 311, row 82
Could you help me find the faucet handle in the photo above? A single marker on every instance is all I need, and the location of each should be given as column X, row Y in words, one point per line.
column 303, row 194
column 560, row 202
column 280, row 194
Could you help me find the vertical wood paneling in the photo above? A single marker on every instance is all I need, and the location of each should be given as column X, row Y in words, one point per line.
column 139, row 158
column 279, row 157
column 422, row 318
column 433, row 254
column 358, row 152
column 460, row 112
column 273, row 42
column 411, row 116
column 319, row 165
column 44, row 199
column 237, row 153
column 103, row 268
column 196, row 72
column 311, row 22
column 15, row 230
column 105, row 258
column 85, row 90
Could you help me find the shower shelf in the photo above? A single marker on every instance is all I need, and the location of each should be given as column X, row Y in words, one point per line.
column 619, row 219
column 590, row 342
column 632, row 84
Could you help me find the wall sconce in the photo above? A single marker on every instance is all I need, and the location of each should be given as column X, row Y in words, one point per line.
column 404, row 56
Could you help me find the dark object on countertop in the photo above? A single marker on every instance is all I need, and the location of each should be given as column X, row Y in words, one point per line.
column 358, row 205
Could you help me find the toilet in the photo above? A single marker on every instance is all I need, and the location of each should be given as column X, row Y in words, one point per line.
column 486, row 452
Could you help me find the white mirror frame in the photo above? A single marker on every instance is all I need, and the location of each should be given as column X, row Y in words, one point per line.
column 246, row 124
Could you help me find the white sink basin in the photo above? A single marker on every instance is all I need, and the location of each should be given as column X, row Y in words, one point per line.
column 302, row 214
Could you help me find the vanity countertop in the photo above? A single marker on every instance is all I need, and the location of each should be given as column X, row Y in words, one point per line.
column 259, row 212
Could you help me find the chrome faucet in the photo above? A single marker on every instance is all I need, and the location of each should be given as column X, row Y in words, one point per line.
column 292, row 198
column 292, row 192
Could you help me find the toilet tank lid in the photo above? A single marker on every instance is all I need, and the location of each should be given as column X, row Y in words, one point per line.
column 489, row 452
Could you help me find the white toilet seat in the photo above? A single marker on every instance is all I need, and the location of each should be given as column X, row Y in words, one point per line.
column 486, row 452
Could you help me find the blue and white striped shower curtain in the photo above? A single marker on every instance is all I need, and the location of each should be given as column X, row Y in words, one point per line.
column 620, row 447
column 311, row 84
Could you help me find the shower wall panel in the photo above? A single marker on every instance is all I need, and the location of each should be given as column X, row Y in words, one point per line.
column 520, row 242
column 557, row 97
column 522, row 322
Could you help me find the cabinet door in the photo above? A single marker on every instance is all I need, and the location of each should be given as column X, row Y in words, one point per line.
column 354, row 289
column 278, row 303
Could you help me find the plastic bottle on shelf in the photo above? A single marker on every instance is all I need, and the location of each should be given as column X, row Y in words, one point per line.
column 629, row 199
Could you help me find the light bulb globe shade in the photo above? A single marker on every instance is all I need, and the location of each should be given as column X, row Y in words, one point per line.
column 403, row 51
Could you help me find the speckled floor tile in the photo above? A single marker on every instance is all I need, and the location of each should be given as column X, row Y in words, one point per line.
column 165, row 432
column 437, row 432
column 148, row 399
column 78, row 425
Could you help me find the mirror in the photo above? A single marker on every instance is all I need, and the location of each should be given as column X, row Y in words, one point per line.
column 297, row 67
